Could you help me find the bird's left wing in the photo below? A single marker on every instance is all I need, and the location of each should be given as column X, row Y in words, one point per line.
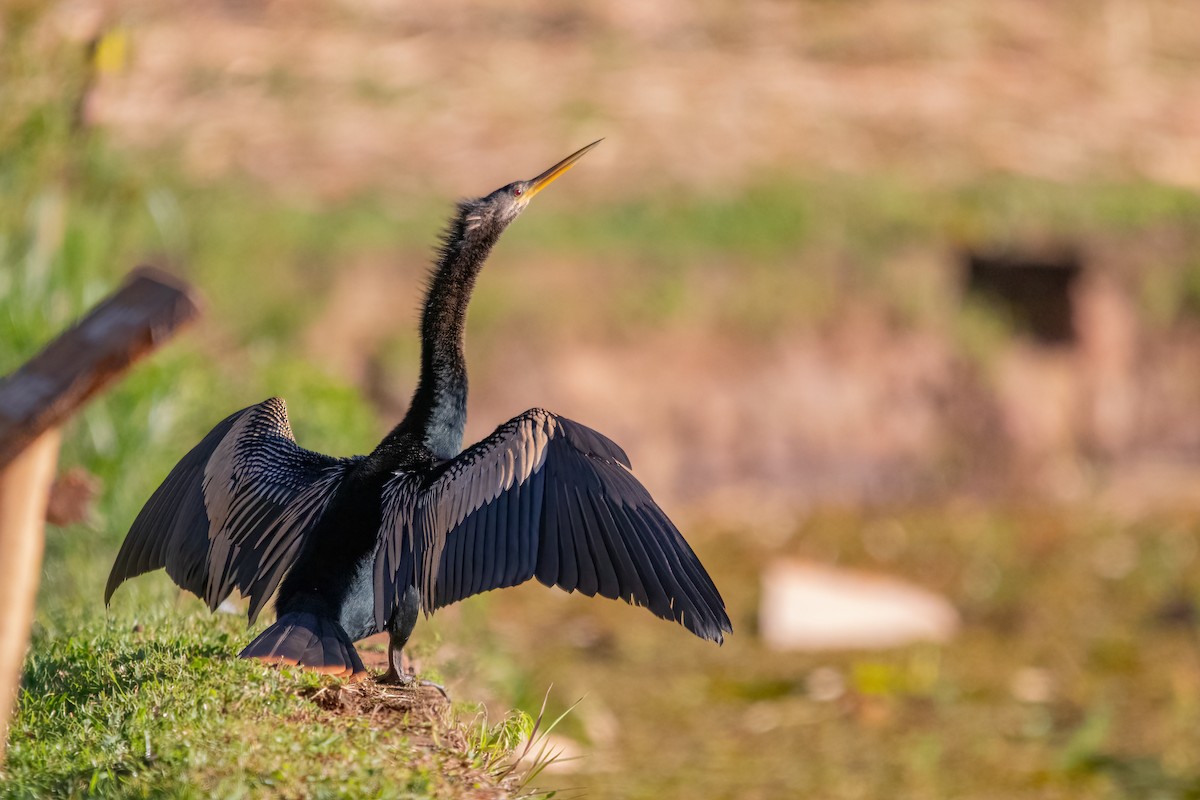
column 234, row 511
column 541, row 497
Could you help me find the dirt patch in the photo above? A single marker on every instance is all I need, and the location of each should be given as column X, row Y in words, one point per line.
column 417, row 706
column 426, row 719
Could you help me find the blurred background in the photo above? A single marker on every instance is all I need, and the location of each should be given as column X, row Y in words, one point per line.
column 895, row 307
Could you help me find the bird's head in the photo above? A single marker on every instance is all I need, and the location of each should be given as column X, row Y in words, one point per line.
column 495, row 211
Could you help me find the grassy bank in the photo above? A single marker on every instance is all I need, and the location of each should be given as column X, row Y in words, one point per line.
column 156, row 705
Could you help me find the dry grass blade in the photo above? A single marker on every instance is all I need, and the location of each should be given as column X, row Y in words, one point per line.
column 538, row 736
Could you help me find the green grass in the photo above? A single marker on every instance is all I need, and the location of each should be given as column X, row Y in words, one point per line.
column 165, row 709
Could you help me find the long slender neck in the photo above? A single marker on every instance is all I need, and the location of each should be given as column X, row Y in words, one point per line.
column 438, row 412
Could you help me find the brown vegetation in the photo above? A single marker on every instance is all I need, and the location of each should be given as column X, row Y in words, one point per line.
column 328, row 97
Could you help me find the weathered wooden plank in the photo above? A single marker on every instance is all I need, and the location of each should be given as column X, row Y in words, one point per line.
column 24, row 491
column 145, row 311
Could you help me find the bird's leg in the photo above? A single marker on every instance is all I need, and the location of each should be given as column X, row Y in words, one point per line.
column 396, row 674
column 399, row 629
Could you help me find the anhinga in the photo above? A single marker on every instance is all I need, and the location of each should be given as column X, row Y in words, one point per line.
column 360, row 545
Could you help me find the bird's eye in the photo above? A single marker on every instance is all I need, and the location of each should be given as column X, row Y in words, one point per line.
column 516, row 191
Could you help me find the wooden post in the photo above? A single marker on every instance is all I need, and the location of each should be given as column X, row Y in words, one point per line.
column 24, row 491
column 34, row 401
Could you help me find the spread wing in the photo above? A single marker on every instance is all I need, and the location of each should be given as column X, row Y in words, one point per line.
column 234, row 511
column 541, row 497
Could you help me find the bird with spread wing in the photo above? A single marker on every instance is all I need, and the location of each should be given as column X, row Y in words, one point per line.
column 350, row 547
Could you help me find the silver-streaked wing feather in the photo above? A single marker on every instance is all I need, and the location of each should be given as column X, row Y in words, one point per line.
column 234, row 511
column 545, row 497
column 395, row 552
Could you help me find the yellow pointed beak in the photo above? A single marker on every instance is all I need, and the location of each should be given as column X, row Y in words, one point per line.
column 549, row 176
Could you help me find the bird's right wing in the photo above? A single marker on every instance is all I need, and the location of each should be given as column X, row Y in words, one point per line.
column 541, row 497
column 234, row 511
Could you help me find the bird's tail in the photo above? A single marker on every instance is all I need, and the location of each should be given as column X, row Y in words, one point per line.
column 308, row 640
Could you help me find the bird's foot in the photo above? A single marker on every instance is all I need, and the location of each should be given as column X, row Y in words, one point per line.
column 408, row 680
column 400, row 671
column 438, row 686
column 394, row 677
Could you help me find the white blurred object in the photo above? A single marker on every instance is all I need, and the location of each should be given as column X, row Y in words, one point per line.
column 815, row 607
column 825, row 684
column 228, row 606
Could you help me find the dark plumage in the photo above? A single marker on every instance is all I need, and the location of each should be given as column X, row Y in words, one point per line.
column 359, row 545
